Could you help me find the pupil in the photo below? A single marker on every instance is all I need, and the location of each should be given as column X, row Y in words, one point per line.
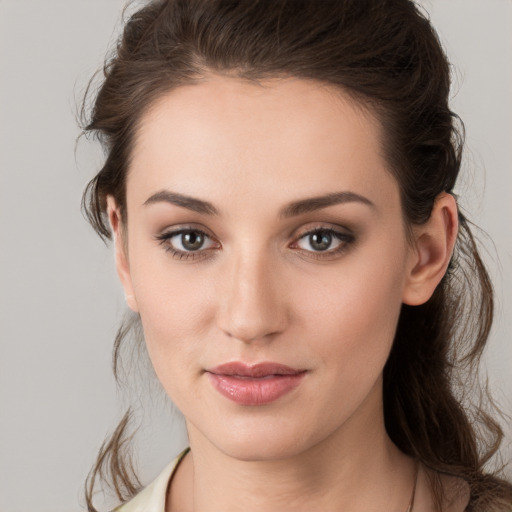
column 320, row 241
column 192, row 241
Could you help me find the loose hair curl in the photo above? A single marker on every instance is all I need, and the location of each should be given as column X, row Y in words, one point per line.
column 386, row 55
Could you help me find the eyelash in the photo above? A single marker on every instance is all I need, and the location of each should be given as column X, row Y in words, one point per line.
column 345, row 240
column 164, row 240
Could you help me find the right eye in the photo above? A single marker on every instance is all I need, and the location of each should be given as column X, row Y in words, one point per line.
column 187, row 243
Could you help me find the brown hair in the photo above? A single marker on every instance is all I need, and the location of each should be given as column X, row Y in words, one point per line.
column 386, row 54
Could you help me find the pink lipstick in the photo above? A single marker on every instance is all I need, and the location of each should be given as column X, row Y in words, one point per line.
column 260, row 384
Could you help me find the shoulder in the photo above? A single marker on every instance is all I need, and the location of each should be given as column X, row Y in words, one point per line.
column 152, row 497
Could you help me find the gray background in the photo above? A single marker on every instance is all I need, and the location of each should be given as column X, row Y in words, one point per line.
column 59, row 299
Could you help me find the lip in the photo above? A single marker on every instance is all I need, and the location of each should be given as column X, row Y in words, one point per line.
column 257, row 384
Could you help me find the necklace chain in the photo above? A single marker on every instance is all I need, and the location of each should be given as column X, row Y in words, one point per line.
column 411, row 503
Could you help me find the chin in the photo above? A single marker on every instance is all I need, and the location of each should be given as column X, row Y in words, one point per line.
column 265, row 440
column 260, row 450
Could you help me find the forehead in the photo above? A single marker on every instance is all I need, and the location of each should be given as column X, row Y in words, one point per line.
column 280, row 137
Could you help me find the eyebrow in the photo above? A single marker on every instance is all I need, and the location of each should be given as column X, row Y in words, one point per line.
column 291, row 210
column 191, row 203
column 317, row 203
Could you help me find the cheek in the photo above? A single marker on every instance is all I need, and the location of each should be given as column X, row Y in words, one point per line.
column 175, row 307
column 352, row 314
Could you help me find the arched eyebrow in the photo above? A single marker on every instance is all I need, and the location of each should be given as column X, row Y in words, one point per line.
column 293, row 209
column 317, row 203
column 191, row 203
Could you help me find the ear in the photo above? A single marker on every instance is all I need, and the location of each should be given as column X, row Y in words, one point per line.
column 121, row 252
column 431, row 251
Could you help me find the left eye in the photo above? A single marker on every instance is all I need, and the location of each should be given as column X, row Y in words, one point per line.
column 322, row 240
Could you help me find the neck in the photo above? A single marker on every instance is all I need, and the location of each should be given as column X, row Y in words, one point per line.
column 355, row 469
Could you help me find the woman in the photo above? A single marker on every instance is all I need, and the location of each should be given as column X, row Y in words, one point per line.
column 279, row 185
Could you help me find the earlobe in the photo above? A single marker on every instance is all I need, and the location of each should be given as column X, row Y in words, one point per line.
column 122, row 263
column 432, row 250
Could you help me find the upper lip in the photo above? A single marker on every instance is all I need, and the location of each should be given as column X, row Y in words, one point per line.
column 238, row 369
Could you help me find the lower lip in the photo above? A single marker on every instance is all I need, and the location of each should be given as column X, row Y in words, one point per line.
column 255, row 391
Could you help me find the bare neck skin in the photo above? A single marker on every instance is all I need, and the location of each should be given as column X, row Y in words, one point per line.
column 357, row 468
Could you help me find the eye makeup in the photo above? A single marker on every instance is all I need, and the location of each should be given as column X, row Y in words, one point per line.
column 188, row 243
column 191, row 243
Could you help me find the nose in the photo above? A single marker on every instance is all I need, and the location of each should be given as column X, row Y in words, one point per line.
column 251, row 301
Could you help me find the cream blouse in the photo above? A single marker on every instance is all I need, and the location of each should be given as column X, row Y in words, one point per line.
column 152, row 497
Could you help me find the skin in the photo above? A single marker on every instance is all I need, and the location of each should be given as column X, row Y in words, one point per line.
column 257, row 290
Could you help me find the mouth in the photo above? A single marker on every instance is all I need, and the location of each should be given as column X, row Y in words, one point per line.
column 258, row 384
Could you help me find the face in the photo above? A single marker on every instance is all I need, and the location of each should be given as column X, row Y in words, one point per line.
column 266, row 254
